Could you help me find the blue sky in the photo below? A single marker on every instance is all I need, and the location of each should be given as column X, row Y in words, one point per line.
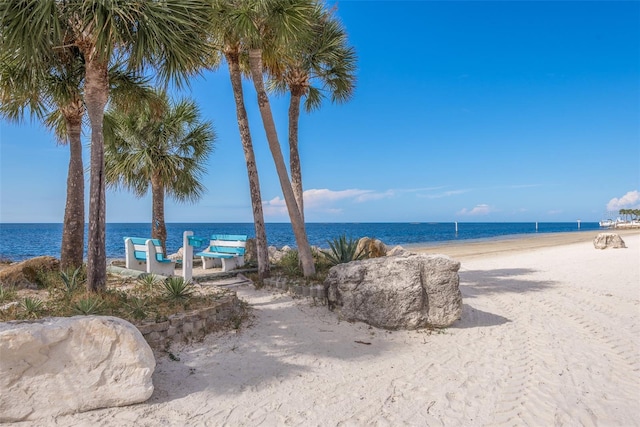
column 464, row 111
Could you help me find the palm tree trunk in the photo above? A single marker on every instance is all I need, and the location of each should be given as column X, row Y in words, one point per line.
column 158, row 226
column 72, row 249
column 304, row 250
column 294, row 154
column 96, row 96
column 252, row 169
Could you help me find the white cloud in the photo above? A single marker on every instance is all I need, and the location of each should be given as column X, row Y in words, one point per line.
column 477, row 210
column 444, row 194
column 323, row 200
column 631, row 200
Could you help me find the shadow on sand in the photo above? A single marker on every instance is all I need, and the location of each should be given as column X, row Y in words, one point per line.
column 487, row 282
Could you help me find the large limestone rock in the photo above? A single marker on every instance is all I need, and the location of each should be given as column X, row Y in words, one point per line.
column 25, row 274
column 397, row 292
column 608, row 240
column 64, row 365
column 373, row 247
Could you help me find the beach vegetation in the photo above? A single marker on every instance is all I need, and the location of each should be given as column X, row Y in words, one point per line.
column 137, row 32
column 31, row 306
column 7, row 293
column 126, row 298
column 269, row 25
column 162, row 147
column 148, row 281
column 315, row 68
column 138, row 308
column 290, row 263
column 343, row 250
column 176, row 289
column 72, row 280
column 92, row 305
column 228, row 36
column 252, row 30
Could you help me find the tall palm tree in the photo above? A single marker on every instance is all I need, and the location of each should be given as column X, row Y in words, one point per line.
column 228, row 40
column 169, row 35
column 53, row 94
column 265, row 24
column 323, row 66
column 162, row 146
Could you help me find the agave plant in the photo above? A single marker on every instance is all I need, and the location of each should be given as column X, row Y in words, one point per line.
column 71, row 281
column 343, row 250
column 148, row 281
column 88, row 306
column 176, row 288
column 31, row 306
column 138, row 308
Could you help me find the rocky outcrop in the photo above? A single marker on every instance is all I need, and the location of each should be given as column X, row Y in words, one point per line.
column 608, row 240
column 397, row 292
column 373, row 247
column 25, row 274
column 60, row 366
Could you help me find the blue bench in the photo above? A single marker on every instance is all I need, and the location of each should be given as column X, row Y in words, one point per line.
column 224, row 249
column 146, row 255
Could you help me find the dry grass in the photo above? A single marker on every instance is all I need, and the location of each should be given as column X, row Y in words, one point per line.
column 131, row 299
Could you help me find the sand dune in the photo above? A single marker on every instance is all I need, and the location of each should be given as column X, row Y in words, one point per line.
column 550, row 335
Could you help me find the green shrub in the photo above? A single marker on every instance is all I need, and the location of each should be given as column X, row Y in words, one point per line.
column 88, row 306
column 138, row 308
column 342, row 251
column 290, row 263
column 7, row 294
column 31, row 306
column 175, row 288
column 71, row 281
column 148, row 281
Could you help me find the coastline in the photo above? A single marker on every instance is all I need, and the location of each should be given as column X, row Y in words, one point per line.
column 549, row 335
column 469, row 249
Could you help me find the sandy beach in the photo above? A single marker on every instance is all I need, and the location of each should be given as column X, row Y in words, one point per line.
column 549, row 335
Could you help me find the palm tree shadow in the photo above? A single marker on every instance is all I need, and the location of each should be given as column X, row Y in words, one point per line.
column 474, row 318
column 475, row 283
column 231, row 363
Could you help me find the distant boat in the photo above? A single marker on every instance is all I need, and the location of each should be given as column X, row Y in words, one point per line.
column 619, row 223
column 609, row 223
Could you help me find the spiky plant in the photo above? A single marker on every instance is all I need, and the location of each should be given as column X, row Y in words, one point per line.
column 71, row 280
column 138, row 308
column 290, row 263
column 343, row 250
column 88, row 306
column 148, row 281
column 176, row 288
column 31, row 306
column 6, row 294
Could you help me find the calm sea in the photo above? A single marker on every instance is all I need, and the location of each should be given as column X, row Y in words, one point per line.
column 22, row 241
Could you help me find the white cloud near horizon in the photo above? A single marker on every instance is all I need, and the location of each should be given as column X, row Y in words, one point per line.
column 481, row 209
column 631, row 200
column 322, row 199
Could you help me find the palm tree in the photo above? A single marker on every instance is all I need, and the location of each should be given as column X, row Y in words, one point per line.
column 321, row 67
column 169, row 35
column 230, row 44
column 264, row 25
column 53, row 95
column 162, row 146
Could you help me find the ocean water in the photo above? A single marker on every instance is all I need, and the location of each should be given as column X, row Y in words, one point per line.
column 22, row 241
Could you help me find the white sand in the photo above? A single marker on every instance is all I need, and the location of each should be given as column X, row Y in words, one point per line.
column 548, row 336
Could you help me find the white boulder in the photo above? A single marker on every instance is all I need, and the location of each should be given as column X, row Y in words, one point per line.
column 65, row 365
